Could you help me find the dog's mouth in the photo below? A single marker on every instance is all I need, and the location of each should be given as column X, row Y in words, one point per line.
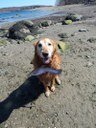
column 46, row 60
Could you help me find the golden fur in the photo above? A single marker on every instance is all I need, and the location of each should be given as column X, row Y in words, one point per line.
column 47, row 79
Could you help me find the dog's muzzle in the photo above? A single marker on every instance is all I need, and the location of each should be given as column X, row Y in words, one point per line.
column 45, row 58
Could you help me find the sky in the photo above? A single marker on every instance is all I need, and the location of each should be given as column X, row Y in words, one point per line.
column 16, row 3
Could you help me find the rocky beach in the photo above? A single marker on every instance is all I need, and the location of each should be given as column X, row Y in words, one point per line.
column 22, row 100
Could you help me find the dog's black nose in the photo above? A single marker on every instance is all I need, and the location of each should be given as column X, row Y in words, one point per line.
column 45, row 54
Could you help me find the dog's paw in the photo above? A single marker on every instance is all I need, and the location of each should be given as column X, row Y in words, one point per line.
column 47, row 93
column 58, row 81
column 53, row 88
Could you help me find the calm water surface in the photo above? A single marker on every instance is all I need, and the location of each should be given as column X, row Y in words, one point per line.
column 12, row 16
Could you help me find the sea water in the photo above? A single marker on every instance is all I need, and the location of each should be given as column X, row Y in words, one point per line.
column 13, row 16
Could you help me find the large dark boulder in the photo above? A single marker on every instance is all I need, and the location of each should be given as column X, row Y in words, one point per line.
column 21, row 29
column 74, row 17
column 46, row 23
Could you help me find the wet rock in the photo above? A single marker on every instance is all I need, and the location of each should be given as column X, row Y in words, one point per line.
column 24, row 30
column 29, row 38
column 73, row 17
column 92, row 40
column 28, row 22
column 46, row 23
column 21, row 29
column 66, row 22
column 63, row 35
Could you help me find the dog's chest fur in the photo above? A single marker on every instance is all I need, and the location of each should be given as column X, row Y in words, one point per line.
column 46, row 78
column 54, row 63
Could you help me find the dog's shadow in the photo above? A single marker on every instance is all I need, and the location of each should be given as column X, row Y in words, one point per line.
column 29, row 91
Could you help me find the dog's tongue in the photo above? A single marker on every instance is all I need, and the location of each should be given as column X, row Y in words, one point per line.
column 45, row 60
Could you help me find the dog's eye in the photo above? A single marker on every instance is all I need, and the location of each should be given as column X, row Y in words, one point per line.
column 39, row 45
column 49, row 44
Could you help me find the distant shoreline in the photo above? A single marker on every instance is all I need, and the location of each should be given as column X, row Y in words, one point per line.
column 21, row 8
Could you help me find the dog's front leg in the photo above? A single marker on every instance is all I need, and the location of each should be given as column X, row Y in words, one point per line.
column 58, row 81
column 53, row 85
column 47, row 91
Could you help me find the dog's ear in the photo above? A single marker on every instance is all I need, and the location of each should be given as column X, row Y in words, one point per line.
column 35, row 43
column 54, row 45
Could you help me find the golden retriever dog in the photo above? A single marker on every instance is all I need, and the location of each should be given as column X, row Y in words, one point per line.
column 46, row 55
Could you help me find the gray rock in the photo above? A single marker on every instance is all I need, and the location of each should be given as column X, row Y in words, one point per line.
column 28, row 22
column 73, row 17
column 29, row 38
column 63, row 35
column 21, row 29
column 46, row 23
column 92, row 40
column 83, row 30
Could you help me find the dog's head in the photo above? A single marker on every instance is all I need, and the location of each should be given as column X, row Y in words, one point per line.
column 45, row 48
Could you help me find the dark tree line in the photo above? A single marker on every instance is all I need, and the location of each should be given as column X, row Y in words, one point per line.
column 64, row 2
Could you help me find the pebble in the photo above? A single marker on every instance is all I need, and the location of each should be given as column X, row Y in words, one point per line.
column 63, row 35
column 83, row 30
column 92, row 40
column 6, row 125
column 89, row 64
column 87, row 57
column 3, row 72
column 74, row 34
column 93, row 97
column 19, row 42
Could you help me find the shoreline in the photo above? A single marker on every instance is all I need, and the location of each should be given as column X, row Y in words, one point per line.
column 21, row 17
column 60, row 12
column 35, row 20
column 22, row 8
